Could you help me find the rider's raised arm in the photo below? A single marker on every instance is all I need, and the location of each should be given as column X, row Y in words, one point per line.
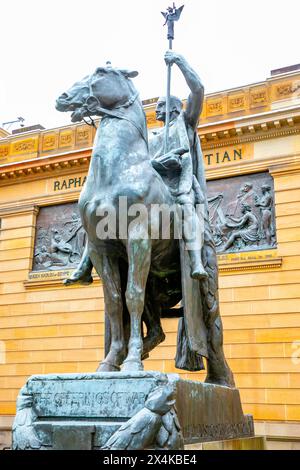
column 196, row 97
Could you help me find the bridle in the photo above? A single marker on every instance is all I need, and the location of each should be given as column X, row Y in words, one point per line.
column 112, row 113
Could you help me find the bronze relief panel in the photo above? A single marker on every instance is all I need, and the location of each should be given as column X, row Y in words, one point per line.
column 242, row 212
column 60, row 238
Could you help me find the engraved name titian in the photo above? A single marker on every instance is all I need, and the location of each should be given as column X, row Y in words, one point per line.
column 223, row 157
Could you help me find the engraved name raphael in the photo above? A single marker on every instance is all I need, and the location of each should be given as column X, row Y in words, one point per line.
column 69, row 183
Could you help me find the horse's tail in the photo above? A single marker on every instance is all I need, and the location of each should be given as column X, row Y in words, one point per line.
column 211, row 307
column 209, row 287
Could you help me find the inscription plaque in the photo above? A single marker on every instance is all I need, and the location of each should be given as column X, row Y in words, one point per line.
column 115, row 398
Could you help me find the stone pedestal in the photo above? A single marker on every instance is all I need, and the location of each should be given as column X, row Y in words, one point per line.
column 82, row 411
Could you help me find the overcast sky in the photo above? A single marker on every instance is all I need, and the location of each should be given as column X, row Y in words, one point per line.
column 47, row 45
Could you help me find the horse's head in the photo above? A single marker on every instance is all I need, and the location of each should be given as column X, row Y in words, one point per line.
column 106, row 88
column 110, row 87
column 74, row 99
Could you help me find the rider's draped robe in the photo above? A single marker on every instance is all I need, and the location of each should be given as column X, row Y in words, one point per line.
column 198, row 314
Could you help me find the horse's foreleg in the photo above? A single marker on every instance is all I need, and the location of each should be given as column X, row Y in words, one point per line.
column 139, row 259
column 108, row 270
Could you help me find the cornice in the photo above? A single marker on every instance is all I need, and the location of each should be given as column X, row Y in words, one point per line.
column 246, row 138
column 247, row 130
column 61, row 164
column 43, row 167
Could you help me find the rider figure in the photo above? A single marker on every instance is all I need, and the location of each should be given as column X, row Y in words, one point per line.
column 181, row 140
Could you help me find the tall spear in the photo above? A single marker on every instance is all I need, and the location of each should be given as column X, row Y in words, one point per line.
column 172, row 14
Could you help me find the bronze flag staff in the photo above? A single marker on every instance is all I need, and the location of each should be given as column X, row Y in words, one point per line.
column 172, row 14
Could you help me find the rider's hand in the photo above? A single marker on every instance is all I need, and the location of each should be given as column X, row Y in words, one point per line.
column 172, row 57
column 176, row 152
column 169, row 166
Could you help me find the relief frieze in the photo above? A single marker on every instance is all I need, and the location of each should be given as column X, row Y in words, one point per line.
column 60, row 238
column 242, row 213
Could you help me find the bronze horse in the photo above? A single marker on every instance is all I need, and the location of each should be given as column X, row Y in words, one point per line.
column 141, row 275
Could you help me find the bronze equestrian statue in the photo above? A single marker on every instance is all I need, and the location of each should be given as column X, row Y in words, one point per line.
column 144, row 276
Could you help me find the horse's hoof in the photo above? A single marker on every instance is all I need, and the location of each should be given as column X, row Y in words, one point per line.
column 132, row 366
column 107, row 367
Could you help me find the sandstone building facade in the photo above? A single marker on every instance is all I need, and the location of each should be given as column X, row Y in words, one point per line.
column 251, row 145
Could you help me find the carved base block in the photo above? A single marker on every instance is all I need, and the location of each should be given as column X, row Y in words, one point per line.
column 125, row 411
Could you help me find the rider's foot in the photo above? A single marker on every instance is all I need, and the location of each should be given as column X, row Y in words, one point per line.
column 199, row 273
column 79, row 276
column 197, row 269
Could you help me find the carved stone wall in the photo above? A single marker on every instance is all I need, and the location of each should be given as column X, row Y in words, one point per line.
column 60, row 237
column 242, row 212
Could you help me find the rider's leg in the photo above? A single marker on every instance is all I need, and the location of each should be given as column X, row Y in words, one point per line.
column 83, row 272
column 193, row 241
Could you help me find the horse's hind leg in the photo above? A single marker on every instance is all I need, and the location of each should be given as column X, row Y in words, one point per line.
column 151, row 318
column 139, row 259
column 108, row 270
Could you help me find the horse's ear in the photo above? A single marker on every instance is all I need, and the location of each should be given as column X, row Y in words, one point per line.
column 129, row 73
